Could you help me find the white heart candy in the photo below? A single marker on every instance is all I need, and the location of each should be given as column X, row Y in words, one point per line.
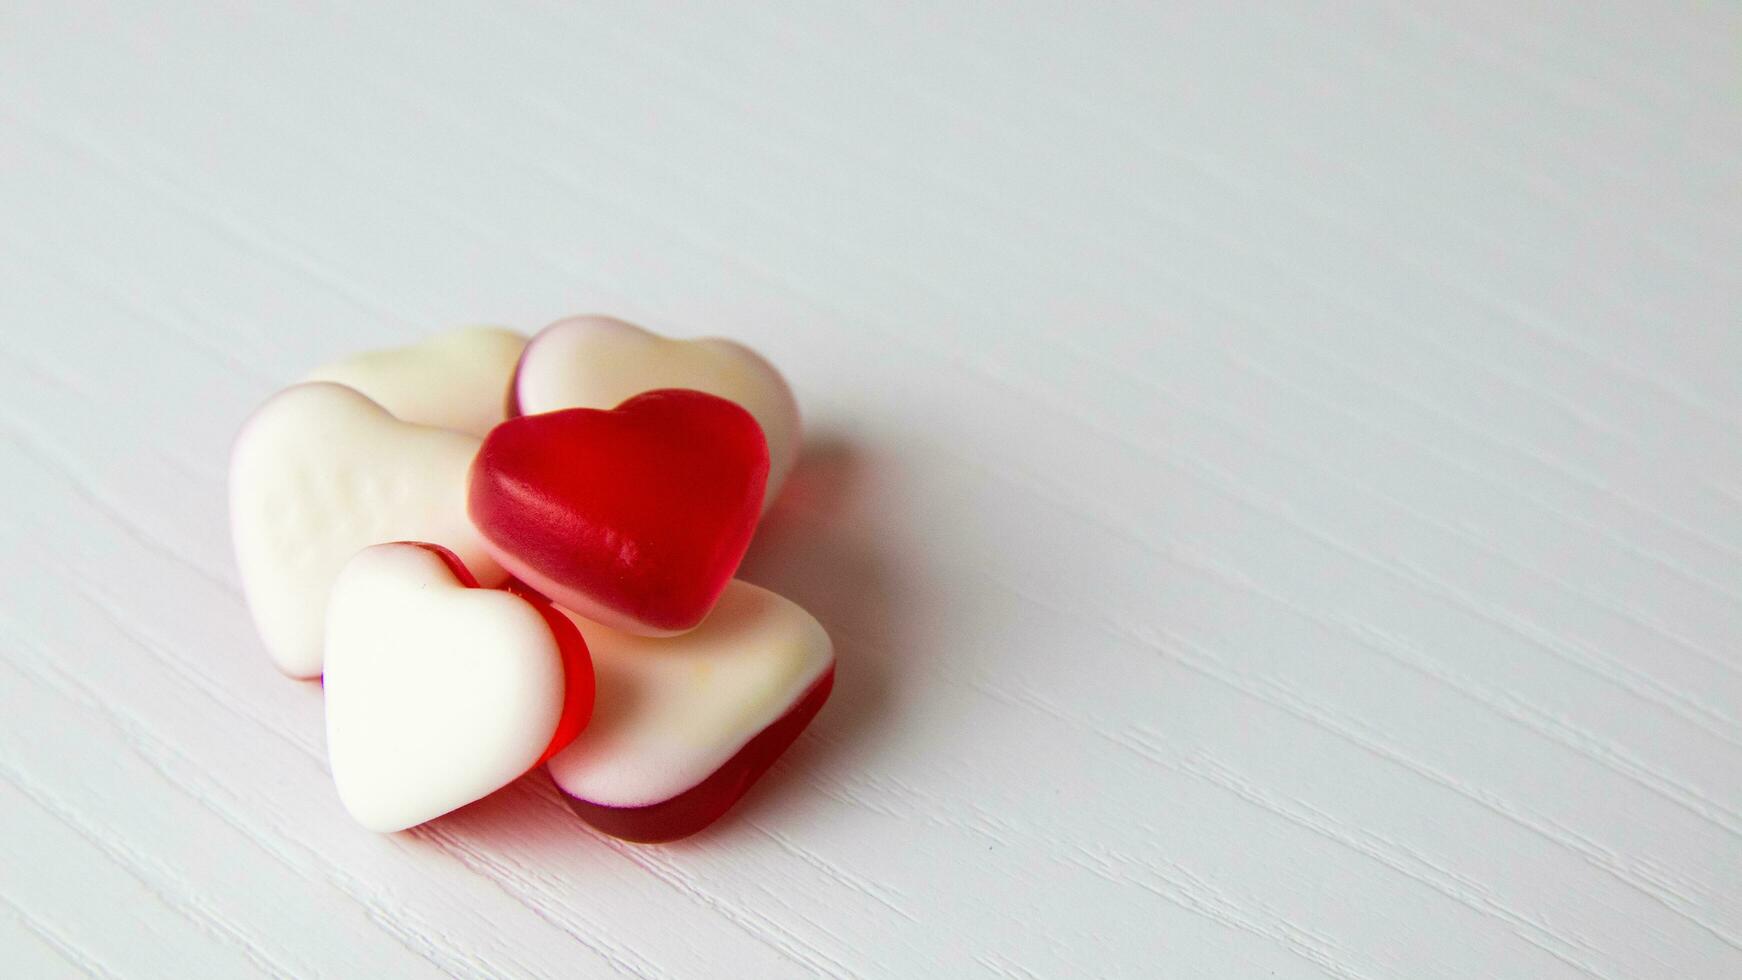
column 670, row 711
column 456, row 380
column 599, row 362
column 320, row 471
column 437, row 694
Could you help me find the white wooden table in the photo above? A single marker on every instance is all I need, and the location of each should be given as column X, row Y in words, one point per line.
column 1275, row 476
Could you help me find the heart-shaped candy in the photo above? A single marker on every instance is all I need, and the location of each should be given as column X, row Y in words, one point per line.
column 439, row 692
column 456, row 380
column 598, row 362
column 634, row 517
column 320, row 471
column 684, row 725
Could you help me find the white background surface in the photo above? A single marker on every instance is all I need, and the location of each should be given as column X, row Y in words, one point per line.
column 1274, row 476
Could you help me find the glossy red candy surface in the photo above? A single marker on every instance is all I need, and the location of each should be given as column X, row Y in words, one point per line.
column 635, row 517
column 696, row 808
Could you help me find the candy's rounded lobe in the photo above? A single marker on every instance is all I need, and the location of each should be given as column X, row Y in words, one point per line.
column 598, row 362
column 439, row 692
column 320, row 471
column 580, row 694
column 458, row 379
column 635, row 517
column 578, row 691
column 684, row 725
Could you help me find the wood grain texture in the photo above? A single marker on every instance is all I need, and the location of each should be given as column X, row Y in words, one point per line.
column 1274, row 476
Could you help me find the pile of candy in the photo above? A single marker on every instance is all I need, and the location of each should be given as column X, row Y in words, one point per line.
column 500, row 553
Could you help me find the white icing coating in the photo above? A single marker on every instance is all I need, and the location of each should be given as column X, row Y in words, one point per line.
column 669, row 712
column 437, row 694
column 457, row 379
column 320, row 471
column 599, row 362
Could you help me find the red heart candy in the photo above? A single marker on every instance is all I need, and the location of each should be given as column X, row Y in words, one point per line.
column 634, row 517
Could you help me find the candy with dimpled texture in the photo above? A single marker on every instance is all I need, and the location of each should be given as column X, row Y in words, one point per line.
column 320, row 471
column 439, row 692
column 598, row 362
column 457, row 379
column 634, row 517
column 684, row 725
